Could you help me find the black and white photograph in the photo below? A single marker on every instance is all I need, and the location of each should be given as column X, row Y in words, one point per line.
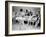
column 24, row 18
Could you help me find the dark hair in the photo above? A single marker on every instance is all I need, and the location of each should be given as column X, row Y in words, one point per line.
column 26, row 10
column 25, row 22
column 21, row 10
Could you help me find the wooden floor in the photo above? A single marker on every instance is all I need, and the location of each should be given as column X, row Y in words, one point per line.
column 23, row 27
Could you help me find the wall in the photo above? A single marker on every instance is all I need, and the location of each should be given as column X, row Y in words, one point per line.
column 2, row 19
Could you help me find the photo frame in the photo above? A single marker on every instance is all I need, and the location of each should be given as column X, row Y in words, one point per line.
column 24, row 18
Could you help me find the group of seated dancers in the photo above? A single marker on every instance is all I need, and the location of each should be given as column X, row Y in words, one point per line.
column 31, row 20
